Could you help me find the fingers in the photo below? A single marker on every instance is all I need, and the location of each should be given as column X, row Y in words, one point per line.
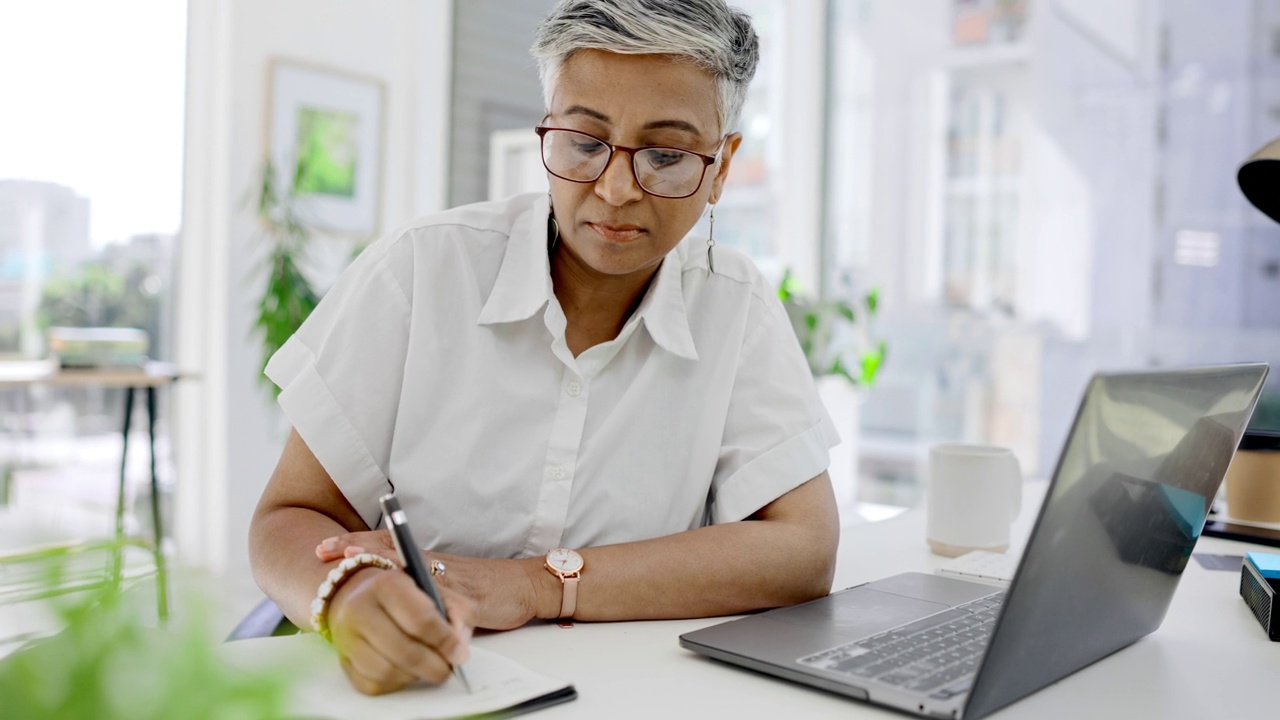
column 326, row 548
column 370, row 673
column 374, row 541
column 392, row 653
column 362, row 682
column 463, row 615
column 415, row 615
column 389, row 634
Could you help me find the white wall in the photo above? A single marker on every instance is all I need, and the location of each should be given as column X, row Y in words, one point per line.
column 229, row 433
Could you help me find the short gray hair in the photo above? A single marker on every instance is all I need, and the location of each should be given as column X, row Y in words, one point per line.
column 708, row 33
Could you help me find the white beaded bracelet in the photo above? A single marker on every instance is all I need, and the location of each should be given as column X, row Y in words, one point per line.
column 335, row 579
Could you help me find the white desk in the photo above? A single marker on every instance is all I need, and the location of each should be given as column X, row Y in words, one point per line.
column 1210, row 658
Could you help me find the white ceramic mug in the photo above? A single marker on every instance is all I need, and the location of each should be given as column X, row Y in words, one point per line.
column 973, row 495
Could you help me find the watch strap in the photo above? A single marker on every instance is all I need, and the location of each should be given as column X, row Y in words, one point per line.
column 569, row 601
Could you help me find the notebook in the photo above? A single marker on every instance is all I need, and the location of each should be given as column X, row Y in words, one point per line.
column 1125, row 506
column 501, row 687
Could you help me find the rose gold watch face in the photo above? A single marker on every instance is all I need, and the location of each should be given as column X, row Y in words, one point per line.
column 565, row 561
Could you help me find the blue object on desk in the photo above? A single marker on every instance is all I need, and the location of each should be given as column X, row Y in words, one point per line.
column 1267, row 564
column 1260, row 588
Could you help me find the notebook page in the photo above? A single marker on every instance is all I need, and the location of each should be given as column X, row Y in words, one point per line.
column 321, row 689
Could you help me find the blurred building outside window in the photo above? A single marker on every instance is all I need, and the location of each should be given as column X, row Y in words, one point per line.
column 90, row 203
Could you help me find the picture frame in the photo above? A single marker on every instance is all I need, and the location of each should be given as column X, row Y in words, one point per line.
column 515, row 163
column 325, row 132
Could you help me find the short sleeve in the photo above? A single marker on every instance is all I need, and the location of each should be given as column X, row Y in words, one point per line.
column 341, row 374
column 777, row 432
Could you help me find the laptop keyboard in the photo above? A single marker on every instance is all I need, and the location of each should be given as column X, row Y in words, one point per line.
column 925, row 655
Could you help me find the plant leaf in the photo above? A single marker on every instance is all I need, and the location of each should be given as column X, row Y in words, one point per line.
column 287, row 299
column 871, row 363
column 845, row 311
column 789, row 288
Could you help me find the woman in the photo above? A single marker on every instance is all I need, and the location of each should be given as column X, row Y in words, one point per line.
column 564, row 376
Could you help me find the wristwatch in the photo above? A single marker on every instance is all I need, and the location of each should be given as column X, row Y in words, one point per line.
column 566, row 565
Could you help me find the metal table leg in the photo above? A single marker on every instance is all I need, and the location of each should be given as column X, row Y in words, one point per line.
column 162, row 582
column 117, row 554
column 157, row 546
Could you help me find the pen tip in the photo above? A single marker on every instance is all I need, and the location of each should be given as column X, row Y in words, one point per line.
column 462, row 675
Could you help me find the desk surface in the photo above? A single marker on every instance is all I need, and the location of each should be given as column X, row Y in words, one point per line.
column 47, row 372
column 1210, row 658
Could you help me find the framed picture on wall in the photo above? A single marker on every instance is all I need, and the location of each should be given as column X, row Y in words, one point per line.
column 325, row 138
column 515, row 163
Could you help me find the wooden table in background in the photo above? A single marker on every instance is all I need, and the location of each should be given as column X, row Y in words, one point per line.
column 146, row 378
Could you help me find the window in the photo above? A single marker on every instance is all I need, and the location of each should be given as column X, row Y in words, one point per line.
column 746, row 217
column 90, row 166
column 1042, row 189
column 90, row 204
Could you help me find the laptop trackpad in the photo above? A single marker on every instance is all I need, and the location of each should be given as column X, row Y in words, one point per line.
column 857, row 612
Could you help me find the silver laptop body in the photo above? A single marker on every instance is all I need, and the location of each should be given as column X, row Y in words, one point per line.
column 1129, row 497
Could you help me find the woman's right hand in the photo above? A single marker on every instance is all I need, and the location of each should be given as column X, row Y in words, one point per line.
column 389, row 634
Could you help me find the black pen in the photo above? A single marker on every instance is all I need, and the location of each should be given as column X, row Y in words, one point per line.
column 413, row 564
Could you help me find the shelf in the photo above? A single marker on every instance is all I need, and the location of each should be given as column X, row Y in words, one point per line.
column 982, row 56
column 1005, row 185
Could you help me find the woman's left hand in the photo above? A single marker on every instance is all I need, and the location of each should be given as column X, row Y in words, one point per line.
column 504, row 590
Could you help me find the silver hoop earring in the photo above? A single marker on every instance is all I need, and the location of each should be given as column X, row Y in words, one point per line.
column 711, row 241
column 553, row 227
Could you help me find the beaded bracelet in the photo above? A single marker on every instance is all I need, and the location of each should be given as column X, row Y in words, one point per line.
column 335, row 579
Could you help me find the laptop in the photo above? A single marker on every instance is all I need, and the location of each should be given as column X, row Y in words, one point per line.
column 1126, row 503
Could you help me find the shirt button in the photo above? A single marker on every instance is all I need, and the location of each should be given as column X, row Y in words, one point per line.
column 557, row 473
column 574, row 389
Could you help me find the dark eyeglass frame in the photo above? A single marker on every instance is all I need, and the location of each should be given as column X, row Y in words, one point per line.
column 707, row 160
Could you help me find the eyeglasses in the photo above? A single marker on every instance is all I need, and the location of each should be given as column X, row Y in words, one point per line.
column 666, row 172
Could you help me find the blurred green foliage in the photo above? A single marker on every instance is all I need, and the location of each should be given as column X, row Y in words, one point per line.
column 835, row 335
column 288, row 297
column 101, row 295
column 106, row 664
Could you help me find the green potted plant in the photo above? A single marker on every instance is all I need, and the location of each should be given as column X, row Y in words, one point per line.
column 834, row 333
column 288, row 297
column 844, row 356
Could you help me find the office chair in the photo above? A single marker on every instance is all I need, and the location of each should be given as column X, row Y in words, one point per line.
column 264, row 620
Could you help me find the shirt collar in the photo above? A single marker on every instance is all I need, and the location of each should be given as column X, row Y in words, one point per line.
column 523, row 285
column 663, row 309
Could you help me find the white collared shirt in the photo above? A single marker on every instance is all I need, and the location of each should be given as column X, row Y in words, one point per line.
column 437, row 366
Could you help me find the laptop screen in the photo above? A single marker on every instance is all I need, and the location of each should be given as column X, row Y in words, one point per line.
column 1127, row 502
